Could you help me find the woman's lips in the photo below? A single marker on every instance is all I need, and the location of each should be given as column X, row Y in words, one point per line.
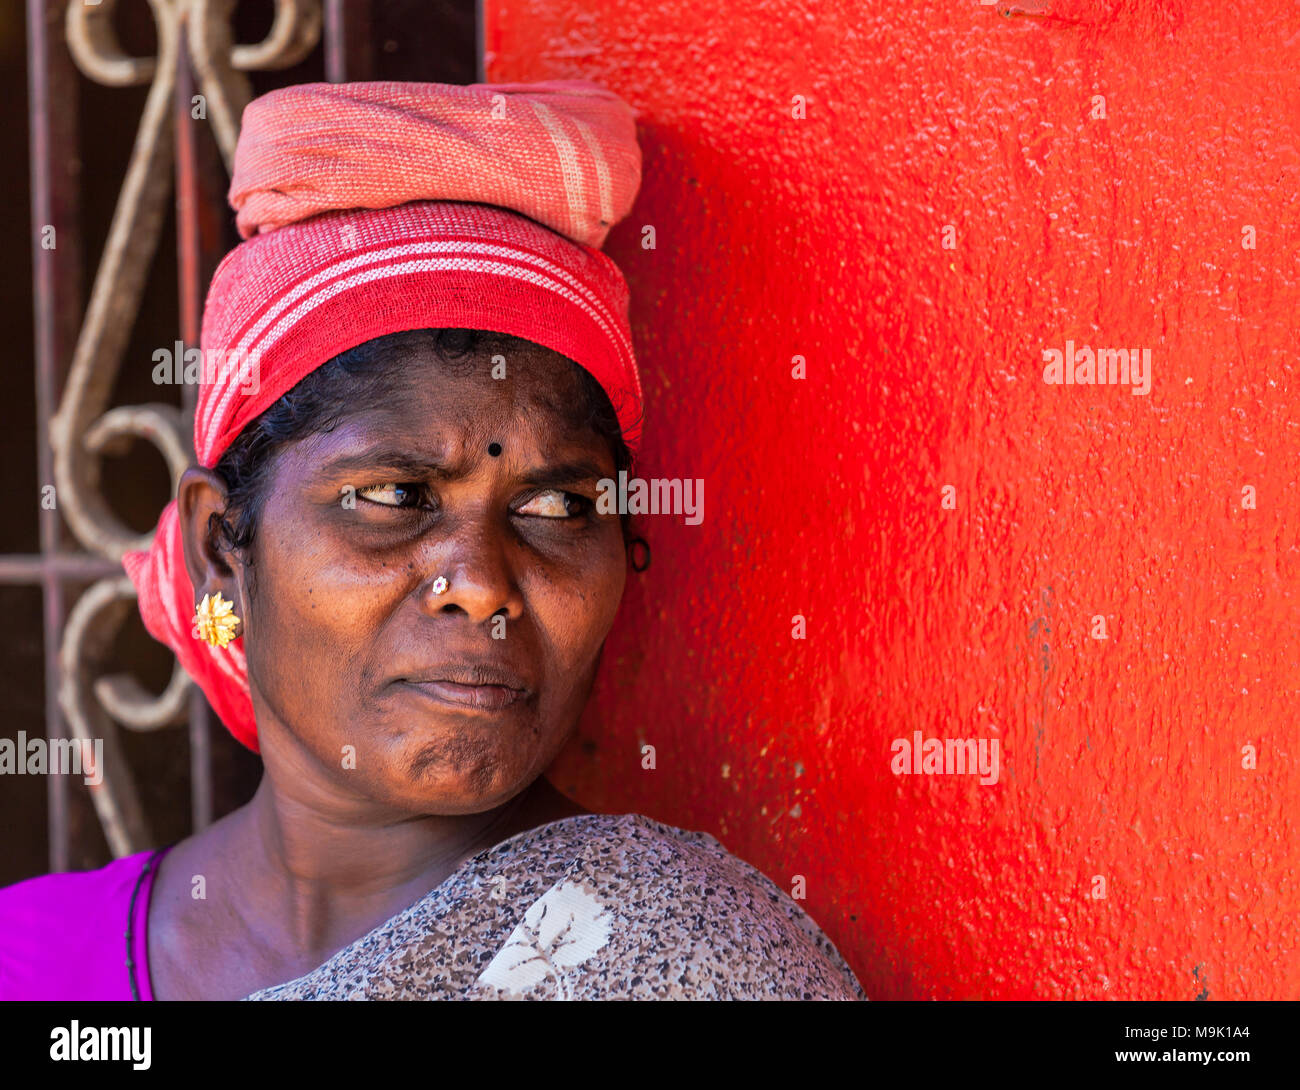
column 479, row 697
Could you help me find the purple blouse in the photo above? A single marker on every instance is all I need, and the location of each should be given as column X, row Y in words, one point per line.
column 63, row 936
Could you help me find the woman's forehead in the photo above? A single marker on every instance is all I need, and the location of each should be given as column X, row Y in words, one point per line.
column 445, row 427
column 535, row 389
column 497, row 364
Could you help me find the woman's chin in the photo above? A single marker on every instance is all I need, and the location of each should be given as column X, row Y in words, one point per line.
column 460, row 770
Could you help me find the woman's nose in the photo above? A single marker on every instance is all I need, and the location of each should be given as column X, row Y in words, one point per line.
column 471, row 573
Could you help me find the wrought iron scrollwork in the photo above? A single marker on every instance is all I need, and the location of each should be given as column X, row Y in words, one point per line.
column 85, row 429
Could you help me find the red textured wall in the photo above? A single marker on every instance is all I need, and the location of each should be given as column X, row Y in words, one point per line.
column 824, row 237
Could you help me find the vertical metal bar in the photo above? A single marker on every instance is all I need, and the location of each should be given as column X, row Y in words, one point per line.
column 480, row 43
column 349, row 51
column 200, row 195
column 56, row 289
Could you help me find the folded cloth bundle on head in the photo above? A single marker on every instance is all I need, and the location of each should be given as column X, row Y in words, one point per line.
column 372, row 208
column 563, row 152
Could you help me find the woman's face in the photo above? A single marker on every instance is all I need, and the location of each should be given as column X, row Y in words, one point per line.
column 453, row 702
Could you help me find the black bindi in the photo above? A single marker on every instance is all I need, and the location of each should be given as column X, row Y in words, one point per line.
column 494, row 449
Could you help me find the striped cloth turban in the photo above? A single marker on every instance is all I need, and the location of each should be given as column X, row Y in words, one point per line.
column 372, row 208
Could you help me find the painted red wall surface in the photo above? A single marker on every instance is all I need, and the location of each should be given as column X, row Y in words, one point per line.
column 823, row 237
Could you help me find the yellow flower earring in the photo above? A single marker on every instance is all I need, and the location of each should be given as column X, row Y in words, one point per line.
column 216, row 620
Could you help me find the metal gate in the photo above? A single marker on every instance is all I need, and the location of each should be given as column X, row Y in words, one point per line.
column 198, row 81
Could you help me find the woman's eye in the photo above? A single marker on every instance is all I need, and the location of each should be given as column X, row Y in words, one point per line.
column 391, row 495
column 554, row 504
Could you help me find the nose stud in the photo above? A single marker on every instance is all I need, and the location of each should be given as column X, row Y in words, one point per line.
column 440, row 585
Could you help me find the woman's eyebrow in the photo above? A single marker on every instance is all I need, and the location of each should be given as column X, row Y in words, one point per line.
column 400, row 461
column 574, row 472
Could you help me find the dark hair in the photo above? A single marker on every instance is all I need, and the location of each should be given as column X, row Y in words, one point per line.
column 355, row 377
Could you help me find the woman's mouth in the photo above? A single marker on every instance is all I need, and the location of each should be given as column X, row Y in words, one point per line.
column 478, row 697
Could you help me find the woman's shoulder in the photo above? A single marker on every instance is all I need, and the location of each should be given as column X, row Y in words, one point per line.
column 62, row 935
column 665, row 912
column 592, row 906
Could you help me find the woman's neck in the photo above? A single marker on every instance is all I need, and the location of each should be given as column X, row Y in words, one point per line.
column 326, row 874
column 287, row 884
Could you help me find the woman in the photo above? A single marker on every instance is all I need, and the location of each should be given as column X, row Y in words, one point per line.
column 400, row 585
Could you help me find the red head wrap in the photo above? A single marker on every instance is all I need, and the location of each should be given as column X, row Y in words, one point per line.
column 355, row 200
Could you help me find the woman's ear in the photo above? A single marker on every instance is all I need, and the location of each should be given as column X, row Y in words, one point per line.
column 201, row 495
